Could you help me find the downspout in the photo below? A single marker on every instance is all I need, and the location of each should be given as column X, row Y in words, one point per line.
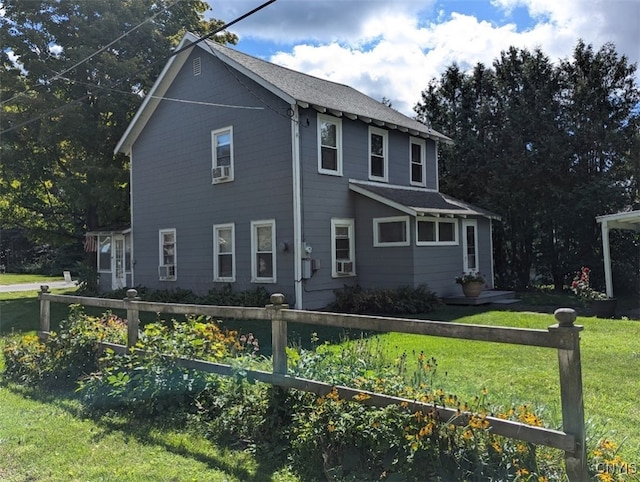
column 132, row 234
column 297, row 206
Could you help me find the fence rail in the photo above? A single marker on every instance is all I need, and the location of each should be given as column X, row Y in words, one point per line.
column 563, row 336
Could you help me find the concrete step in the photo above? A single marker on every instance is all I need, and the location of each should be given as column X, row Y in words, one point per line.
column 486, row 297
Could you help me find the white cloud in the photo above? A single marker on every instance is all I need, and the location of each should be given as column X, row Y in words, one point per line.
column 393, row 48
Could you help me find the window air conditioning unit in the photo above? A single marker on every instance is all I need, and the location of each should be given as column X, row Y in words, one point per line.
column 344, row 267
column 167, row 272
column 221, row 173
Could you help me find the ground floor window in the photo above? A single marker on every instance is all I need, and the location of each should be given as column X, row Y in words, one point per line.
column 393, row 231
column 263, row 259
column 432, row 231
column 167, row 267
column 224, row 252
column 343, row 248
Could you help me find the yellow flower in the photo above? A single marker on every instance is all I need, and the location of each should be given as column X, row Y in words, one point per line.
column 543, row 478
column 467, row 435
column 607, row 445
column 605, row 477
column 333, row 394
column 331, row 427
column 496, row 446
column 522, row 471
column 361, row 397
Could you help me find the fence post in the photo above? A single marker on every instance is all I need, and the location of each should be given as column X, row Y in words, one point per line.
column 278, row 334
column 45, row 312
column 571, row 392
column 133, row 320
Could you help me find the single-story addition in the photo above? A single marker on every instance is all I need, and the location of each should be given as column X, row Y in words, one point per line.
column 113, row 256
column 249, row 173
column 624, row 220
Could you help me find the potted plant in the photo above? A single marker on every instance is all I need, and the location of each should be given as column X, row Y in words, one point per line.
column 472, row 283
column 601, row 305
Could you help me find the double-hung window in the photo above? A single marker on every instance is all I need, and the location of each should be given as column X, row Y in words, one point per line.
column 263, row 251
column 378, row 154
column 222, row 153
column 342, row 248
column 167, row 267
column 417, row 162
column 436, row 231
column 224, row 267
column 329, row 145
column 393, row 231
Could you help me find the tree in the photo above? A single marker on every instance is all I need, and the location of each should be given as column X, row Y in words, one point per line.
column 548, row 147
column 73, row 73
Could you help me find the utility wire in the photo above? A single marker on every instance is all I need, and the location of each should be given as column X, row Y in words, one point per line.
column 86, row 59
column 115, row 83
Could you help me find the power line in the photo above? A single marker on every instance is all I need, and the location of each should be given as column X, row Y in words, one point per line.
column 176, row 52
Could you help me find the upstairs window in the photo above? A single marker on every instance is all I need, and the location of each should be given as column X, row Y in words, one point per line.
column 168, row 264
column 417, row 165
column 329, row 145
column 222, row 150
column 393, row 231
column 342, row 248
column 378, row 154
column 224, row 268
column 263, row 244
column 433, row 231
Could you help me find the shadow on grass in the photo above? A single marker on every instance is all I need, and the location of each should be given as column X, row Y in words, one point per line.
column 149, row 431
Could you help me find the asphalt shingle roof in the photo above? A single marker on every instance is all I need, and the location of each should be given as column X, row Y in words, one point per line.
column 421, row 201
column 314, row 91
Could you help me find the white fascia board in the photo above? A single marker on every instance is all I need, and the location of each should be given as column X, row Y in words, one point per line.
column 153, row 98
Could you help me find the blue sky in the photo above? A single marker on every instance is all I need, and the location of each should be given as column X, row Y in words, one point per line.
column 392, row 48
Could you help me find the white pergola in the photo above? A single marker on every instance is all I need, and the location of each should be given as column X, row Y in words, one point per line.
column 627, row 220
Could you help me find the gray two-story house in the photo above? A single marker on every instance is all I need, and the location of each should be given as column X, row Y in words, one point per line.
column 249, row 173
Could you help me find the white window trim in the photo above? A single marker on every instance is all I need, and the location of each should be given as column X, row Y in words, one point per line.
column 437, row 222
column 214, row 160
column 216, row 252
column 350, row 224
column 385, row 153
column 423, row 158
column 161, row 232
column 254, row 247
column 338, row 123
column 393, row 219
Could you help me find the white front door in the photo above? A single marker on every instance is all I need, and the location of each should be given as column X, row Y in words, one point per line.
column 470, row 245
column 118, row 265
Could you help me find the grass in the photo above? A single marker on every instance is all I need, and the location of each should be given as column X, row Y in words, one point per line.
column 49, row 440
column 16, row 278
column 519, row 374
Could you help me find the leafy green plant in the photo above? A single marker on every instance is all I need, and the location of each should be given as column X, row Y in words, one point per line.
column 403, row 300
column 67, row 354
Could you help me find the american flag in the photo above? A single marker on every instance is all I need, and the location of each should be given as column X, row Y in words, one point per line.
column 90, row 243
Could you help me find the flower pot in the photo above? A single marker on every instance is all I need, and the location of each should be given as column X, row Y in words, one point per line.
column 472, row 289
column 604, row 308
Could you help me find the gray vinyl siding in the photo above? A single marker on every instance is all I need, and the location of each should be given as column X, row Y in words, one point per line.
column 171, row 175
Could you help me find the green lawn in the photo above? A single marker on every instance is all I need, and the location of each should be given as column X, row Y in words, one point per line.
column 13, row 278
column 49, row 440
column 610, row 352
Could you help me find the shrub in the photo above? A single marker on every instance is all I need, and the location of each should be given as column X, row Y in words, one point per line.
column 403, row 300
column 150, row 381
column 67, row 354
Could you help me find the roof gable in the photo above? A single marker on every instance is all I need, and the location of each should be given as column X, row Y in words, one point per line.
column 290, row 85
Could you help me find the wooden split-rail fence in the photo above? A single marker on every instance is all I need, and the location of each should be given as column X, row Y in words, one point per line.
column 563, row 336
